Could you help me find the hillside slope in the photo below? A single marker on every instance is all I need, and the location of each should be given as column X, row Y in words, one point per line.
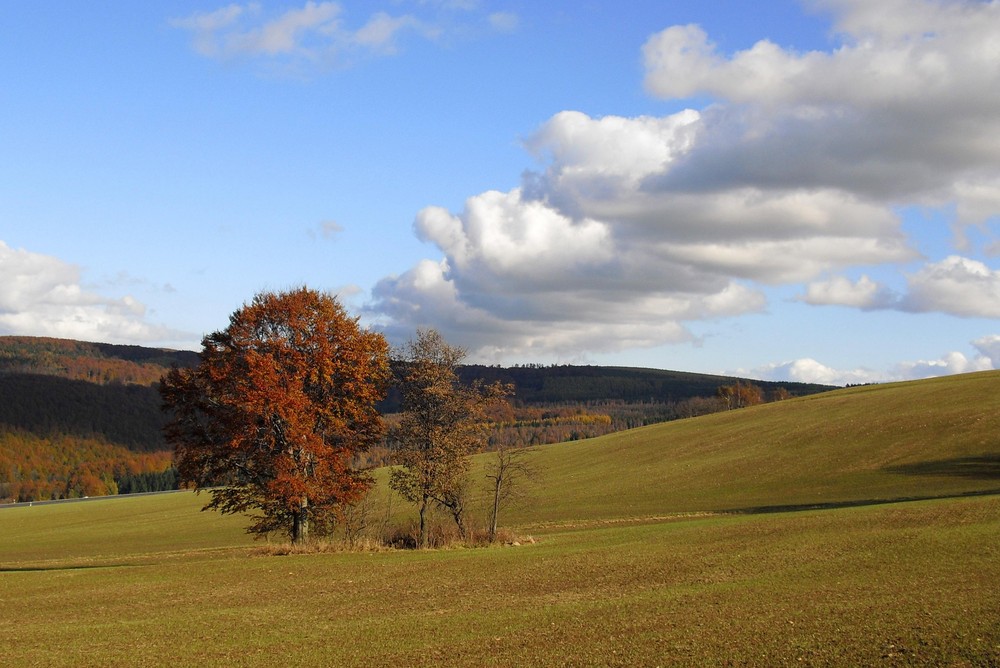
column 100, row 363
column 56, row 394
column 907, row 584
column 926, row 438
column 81, row 419
column 126, row 415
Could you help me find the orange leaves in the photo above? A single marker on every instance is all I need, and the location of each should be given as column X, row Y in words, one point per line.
column 283, row 399
column 36, row 468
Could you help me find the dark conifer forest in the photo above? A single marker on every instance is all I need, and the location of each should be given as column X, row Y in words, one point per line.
column 84, row 419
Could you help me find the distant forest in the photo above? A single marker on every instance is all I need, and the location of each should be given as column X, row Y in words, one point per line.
column 101, row 363
column 127, row 415
column 84, row 419
column 36, row 467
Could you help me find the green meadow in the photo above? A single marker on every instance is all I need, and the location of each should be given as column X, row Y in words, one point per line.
column 856, row 527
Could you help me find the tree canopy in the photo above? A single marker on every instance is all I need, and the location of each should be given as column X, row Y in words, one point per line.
column 275, row 411
column 442, row 423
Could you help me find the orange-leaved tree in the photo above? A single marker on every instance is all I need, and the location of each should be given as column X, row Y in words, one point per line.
column 275, row 411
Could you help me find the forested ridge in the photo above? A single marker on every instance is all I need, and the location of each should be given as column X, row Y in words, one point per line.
column 538, row 384
column 127, row 415
column 81, row 419
column 57, row 466
column 100, row 363
column 557, row 403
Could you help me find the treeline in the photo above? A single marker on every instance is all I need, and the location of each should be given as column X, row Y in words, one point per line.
column 555, row 423
column 149, row 481
column 535, row 384
column 101, row 363
column 101, row 395
column 63, row 466
column 514, row 425
column 545, row 386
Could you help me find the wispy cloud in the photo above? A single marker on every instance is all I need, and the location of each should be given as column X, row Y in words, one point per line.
column 320, row 33
column 245, row 30
column 504, row 21
column 328, row 229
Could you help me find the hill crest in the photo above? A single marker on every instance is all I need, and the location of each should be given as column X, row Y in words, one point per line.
column 55, row 393
column 100, row 363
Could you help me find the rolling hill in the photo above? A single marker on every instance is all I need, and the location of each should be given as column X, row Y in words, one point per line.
column 81, row 419
column 672, row 544
column 58, row 394
column 874, row 443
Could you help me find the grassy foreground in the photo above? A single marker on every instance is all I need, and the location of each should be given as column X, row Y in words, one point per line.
column 901, row 584
column 630, row 566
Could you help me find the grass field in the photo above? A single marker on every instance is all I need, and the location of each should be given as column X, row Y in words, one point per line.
column 635, row 562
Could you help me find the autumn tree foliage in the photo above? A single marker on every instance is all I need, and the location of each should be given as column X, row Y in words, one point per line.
column 740, row 395
column 37, row 467
column 442, row 423
column 275, row 412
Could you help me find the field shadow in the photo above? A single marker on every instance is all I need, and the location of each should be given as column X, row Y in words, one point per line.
column 986, row 467
column 832, row 505
column 43, row 569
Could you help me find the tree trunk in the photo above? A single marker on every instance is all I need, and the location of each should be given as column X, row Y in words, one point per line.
column 496, row 509
column 459, row 515
column 300, row 523
column 423, row 522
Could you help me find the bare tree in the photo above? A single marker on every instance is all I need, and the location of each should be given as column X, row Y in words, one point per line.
column 506, row 472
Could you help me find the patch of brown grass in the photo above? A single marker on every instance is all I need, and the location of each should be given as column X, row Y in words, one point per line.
column 403, row 539
column 321, row 546
column 446, row 537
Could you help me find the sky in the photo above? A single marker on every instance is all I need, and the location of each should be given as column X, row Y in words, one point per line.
column 783, row 190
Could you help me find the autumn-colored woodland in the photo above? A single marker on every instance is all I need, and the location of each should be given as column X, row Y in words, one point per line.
column 81, row 419
column 58, row 397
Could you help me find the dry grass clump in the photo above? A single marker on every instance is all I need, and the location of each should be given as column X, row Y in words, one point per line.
column 405, row 537
column 321, row 546
column 444, row 536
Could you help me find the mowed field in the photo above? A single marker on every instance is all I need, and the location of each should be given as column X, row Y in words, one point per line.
column 858, row 527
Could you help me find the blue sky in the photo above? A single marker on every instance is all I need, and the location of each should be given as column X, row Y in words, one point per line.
column 785, row 190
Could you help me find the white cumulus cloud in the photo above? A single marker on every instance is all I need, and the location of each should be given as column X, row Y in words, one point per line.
column 795, row 173
column 956, row 285
column 41, row 295
column 876, row 116
column 989, row 347
column 841, row 291
column 808, row 370
column 949, row 364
